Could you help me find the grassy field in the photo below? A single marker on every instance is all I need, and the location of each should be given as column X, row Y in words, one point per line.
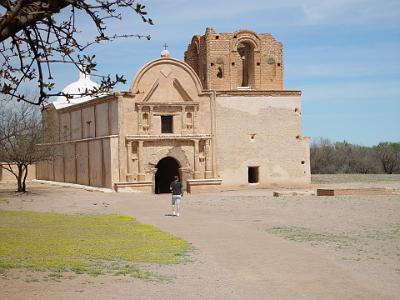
column 92, row 244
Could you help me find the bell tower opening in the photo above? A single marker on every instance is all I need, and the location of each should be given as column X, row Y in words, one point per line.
column 246, row 70
column 167, row 168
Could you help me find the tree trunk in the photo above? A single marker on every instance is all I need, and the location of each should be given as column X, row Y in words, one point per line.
column 19, row 178
column 24, row 178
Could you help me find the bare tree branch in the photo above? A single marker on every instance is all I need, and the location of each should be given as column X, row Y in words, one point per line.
column 31, row 41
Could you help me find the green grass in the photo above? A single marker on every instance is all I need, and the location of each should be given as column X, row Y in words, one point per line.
column 389, row 233
column 91, row 244
column 301, row 234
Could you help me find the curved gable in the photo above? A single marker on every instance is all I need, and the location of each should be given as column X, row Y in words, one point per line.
column 166, row 80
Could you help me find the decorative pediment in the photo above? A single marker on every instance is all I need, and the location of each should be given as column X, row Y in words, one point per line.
column 151, row 91
column 178, row 86
column 166, row 70
column 167, row 89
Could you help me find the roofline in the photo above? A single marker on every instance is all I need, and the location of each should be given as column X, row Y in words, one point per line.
column 251, row 93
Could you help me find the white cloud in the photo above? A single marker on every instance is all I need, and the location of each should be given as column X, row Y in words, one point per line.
column 309, row 12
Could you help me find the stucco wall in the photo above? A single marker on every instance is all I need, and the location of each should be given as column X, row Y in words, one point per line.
column 86, row 144
column 264, row 132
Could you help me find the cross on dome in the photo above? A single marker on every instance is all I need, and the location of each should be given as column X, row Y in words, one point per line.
column 165, row 52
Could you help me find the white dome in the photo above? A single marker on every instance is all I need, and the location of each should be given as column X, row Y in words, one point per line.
column 74, row 89
column 165, row 53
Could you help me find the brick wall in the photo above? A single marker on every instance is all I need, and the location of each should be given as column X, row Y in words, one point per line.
column 216, row 60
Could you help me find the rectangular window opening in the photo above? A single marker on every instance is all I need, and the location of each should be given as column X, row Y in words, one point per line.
column 166, row 124
column 88, row 131
column 253, row 175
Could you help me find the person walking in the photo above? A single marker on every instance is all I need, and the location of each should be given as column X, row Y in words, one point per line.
column 177, row 193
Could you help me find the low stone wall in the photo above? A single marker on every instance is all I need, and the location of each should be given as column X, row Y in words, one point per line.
column 355, row 191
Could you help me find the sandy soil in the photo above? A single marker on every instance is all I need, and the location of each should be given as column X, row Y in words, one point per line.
column 349, row 247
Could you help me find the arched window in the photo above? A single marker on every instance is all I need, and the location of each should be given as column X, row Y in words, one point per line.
column 246, row 53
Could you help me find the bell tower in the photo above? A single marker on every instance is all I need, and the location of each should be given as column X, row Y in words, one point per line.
column 242, row 60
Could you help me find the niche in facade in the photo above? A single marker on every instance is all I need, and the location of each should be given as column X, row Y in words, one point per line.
column 220, row 69
column 189, row 120
column 220, row 73
column 145, row 123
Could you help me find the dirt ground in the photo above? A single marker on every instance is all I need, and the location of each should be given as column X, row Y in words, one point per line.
column 248, row 244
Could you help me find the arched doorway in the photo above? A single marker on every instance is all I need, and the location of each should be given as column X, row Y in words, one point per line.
column 167, row 168
column 246, row 53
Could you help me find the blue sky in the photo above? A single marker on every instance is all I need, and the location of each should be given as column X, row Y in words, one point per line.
column 343, row 54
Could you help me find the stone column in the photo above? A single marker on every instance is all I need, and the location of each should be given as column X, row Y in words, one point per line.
column 141, row 174
column 185, row 174
column 196, row 160
column 195, row 119
column 207, row 155
column 129, row 162
column 140, row 127
column 153, row 179
column 183, row 125
column 151, row 120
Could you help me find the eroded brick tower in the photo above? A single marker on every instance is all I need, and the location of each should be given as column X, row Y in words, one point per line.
column 236, row 61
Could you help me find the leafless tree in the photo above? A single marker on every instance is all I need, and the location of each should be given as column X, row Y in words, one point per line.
column 389, row 156
column 343, row 157
column 21, row 131
column 350, row 158
column 32, row 40
column 322, row 156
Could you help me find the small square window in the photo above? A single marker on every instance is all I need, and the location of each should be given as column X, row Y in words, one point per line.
column 166, row 124
column 253, row 175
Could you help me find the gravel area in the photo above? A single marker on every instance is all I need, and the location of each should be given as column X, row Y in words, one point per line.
column 248, row 244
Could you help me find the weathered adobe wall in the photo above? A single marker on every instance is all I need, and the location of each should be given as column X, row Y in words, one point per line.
column 6, row 176
column 208, row 53
column 264, row 132
column 85, row 144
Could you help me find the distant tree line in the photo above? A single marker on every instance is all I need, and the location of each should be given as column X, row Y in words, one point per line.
column 342, row 157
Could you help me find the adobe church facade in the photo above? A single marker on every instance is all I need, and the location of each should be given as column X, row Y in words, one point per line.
column 219, row 120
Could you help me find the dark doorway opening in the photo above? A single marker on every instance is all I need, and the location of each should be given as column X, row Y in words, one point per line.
column 167, row 168
column 253, row 175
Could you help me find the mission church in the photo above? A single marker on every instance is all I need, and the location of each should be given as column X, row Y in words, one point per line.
column 219, row 120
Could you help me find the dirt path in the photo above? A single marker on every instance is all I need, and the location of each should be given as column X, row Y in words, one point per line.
column 236, row 258
column 264, row 266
